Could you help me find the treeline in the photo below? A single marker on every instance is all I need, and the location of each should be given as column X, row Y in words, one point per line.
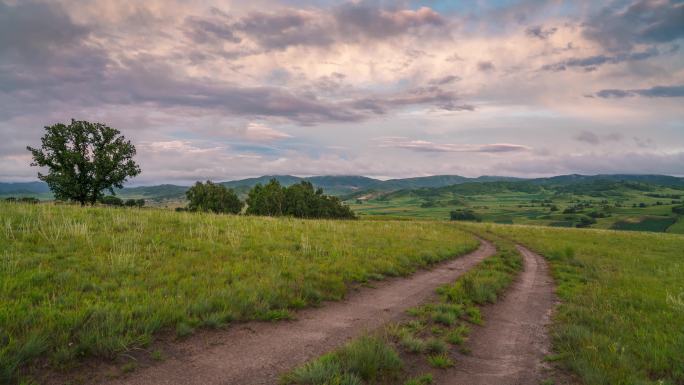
column 299, row 200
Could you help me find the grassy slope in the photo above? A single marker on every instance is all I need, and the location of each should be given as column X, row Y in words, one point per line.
column 519, row 207
column 96, row 281
column 434, row 329
column 677, row 228
column 622, row 316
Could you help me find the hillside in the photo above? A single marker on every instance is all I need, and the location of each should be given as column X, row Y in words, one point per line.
column 353, row 187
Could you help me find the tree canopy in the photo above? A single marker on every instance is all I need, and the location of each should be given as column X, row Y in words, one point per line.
column 84, row 159
column 213, row 197
column 299, row 200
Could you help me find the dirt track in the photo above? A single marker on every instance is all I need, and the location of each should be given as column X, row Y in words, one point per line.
column 510, row 347
column 256, row 353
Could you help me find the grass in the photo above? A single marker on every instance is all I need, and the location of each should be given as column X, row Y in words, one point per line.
column 532, row 208
column 621, row 320
column 441, row 361
column 654, row 224
column 78, row 282
column 678, row 227
column 434, row 328
column 363, row 361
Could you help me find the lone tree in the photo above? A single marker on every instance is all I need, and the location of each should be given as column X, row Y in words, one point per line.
column 84, row 159
column 213, row 197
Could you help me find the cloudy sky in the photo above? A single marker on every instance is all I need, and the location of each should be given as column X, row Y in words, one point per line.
column 231, row 89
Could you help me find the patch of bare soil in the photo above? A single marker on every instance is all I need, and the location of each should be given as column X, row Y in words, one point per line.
column 257, row 352
column 510, row 348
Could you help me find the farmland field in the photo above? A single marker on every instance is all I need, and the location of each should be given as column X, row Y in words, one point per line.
column 622, row 312
column 79, row 282
column 619, row 206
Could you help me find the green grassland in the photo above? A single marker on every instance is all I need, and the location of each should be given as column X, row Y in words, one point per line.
column 78, row 282
column 621, row 320
column 616, row 205
column 678, row 227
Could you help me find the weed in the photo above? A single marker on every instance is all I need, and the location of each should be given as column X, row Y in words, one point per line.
column 441, row 361
column 425, row 379
column 365, row 359
column 128, row 367
column 435, row 345
column 412, row 344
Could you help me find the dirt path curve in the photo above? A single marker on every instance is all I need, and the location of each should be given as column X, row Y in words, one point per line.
column 510, row 347
column 256, row 353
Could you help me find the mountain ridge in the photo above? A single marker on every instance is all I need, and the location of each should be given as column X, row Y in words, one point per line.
column 353, row 184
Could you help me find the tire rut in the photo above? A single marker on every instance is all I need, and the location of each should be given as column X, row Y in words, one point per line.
column 257, row 353
column 509, row 349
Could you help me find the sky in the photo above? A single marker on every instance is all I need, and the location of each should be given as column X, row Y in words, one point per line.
column 223, row 90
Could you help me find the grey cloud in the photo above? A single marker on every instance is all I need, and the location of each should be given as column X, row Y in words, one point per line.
column 485, row 66
column 444, row 80
column 592, row 62
column 427, row 146
column 201, row 30
column 431, row 95
column 539, row 32
column 371, row 21
column 676, row 91
column 595, row 139
column 33, row 31
column 288, row 28
column 350, row 22
column 643, row 21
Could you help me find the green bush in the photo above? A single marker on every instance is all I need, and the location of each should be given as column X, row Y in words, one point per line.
column 464, row 215
column 213, row 197
column 300, row 200
column 111, row 200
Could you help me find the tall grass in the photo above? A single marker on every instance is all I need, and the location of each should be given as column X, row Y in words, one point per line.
column 621, row 320
column 78, row 282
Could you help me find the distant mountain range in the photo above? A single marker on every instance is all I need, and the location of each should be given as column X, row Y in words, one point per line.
column 352, row 185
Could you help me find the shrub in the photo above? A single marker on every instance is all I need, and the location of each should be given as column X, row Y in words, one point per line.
column 111, row 200
column 678, row 210
column 464, row 215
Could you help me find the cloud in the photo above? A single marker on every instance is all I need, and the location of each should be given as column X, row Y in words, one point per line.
column 539, row 32
column 349, row 22
column 653, row 92
column 364, row 20
column 426, row 146
column 262, row 133
column 592, row 62
column 485, row 66
column 444, row 80
column 643, row 21
column 595, row 139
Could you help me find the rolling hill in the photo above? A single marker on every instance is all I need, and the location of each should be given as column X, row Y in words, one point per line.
column 353, row 186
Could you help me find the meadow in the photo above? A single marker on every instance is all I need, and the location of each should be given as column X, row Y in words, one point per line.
column 624, row 209
column 621, row 319
column 94, row 282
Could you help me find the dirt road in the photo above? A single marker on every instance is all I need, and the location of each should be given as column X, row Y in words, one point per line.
column 256, row 352
column 510, row 347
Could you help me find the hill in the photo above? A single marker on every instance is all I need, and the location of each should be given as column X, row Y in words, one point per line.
column 353, row 186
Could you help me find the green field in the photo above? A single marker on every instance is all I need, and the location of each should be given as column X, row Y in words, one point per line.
column 619, row 206
column 621, row 320
column 653, row 224
column 678, row 227
column 78, row 282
